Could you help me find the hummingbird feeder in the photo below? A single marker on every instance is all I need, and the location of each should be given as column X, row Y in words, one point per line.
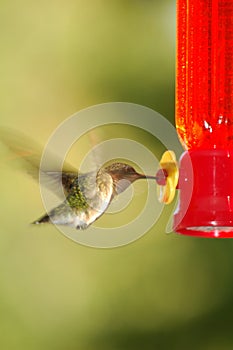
column 204, row 121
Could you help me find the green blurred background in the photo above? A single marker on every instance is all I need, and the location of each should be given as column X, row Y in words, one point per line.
column 162, row 291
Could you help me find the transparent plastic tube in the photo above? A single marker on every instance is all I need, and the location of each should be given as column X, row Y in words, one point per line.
column 204, row 117
column 204, row 91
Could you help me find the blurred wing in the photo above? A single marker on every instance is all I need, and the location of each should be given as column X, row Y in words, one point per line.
column 52, row 179
column 29, row 153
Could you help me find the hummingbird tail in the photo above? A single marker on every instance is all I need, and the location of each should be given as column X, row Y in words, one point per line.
column 42, row 220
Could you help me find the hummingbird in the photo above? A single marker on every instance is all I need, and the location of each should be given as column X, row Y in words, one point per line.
column 86, row 196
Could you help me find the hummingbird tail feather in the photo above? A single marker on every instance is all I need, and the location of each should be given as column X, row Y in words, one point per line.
column 42, row 220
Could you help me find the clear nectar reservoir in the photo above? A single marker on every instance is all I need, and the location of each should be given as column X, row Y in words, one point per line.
column 204, row 117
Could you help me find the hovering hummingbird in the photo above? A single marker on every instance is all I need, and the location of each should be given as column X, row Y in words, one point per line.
column 86, row 196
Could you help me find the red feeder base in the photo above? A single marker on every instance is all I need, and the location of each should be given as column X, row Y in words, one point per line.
column 206, row 194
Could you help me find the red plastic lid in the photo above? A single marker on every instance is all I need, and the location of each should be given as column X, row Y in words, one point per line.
column 206, row 194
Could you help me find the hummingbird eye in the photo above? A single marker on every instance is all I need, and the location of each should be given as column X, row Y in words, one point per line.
column 130, row 169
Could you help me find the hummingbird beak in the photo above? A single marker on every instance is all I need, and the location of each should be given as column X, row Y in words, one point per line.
column 142, row 176
column 151, row 177
column 160, row 177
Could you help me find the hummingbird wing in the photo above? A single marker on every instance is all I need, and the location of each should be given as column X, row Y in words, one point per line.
column 53, row 178
column 87, row 201
column 29, row 153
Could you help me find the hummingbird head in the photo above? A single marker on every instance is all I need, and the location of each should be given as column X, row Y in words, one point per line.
column 120, row 171
column 123, row 175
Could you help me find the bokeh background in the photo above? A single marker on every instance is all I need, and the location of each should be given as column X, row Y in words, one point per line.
column 162, row 291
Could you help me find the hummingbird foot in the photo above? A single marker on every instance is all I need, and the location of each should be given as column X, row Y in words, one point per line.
column 82, row 226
